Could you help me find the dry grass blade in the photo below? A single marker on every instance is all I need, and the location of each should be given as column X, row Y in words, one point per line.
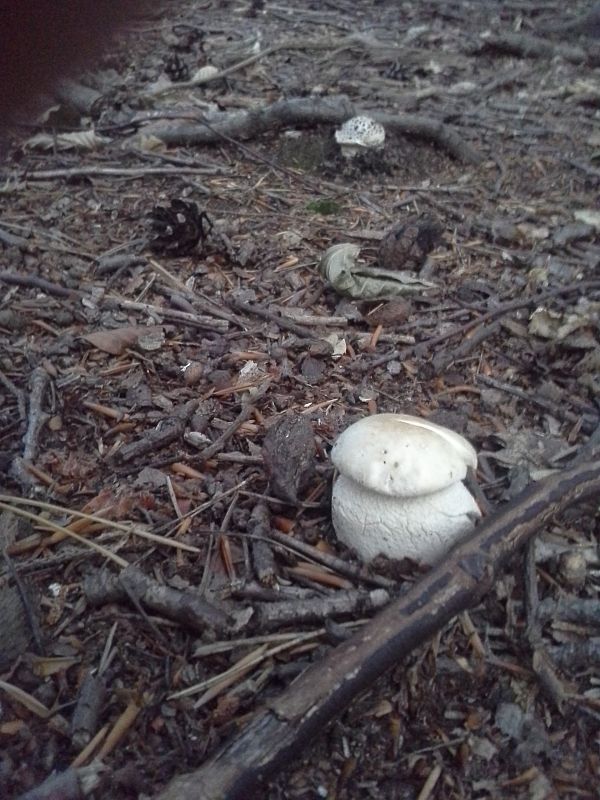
column 130, row 529
column 103, row 551
column 27, row 700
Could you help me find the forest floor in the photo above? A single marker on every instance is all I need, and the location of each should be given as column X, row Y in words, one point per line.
column 164, row 305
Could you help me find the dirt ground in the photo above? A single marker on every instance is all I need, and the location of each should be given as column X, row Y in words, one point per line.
column 164, row 311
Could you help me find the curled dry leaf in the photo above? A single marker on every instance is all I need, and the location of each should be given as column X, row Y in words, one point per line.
column 118, row 340
column 339, row 265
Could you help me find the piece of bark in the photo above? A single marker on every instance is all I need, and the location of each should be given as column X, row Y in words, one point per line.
column 289, row 455
column 263, row 558
column 17, row 634
column 88, row 709
column 394, row 312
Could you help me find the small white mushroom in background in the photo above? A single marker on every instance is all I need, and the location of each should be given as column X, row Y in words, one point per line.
column 358, row 134
column 399, row 491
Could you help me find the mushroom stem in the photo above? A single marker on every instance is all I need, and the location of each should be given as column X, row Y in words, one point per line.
column 422, row 528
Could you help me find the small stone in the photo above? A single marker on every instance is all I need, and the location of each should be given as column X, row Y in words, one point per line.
column 394, row 312
column 312, row 369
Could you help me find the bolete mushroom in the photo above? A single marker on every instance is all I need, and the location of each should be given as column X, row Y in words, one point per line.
column 399, row 490
column 358, row 134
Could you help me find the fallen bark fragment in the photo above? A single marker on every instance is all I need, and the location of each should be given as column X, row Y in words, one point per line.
column 90, row 702
column 289, row 456
column 278, row 731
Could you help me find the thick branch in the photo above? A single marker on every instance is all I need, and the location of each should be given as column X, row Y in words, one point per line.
column 525, row 46
column 334, row 110
column 278, row 731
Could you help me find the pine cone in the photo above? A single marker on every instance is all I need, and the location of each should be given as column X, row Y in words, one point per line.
column 178, row 228
column 176, row 68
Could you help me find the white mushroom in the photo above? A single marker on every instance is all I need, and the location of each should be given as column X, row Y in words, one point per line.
column 358, row 134
column 399, row 491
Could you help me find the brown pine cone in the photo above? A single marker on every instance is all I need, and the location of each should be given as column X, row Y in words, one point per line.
column 407, row 244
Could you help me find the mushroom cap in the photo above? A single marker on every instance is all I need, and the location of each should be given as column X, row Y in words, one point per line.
column 421, row 528
column 361, row 132
column 402, row 456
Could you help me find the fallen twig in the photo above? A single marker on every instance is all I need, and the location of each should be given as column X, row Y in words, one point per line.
column 113, row 301
column 248, row 407
column 349, row 570
column 283, row 322
column 38, row 384
column 132, row 173
column 502, row 309
column 525, row 46
column 170, row 430
column 184, row 607
column 588, row 422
